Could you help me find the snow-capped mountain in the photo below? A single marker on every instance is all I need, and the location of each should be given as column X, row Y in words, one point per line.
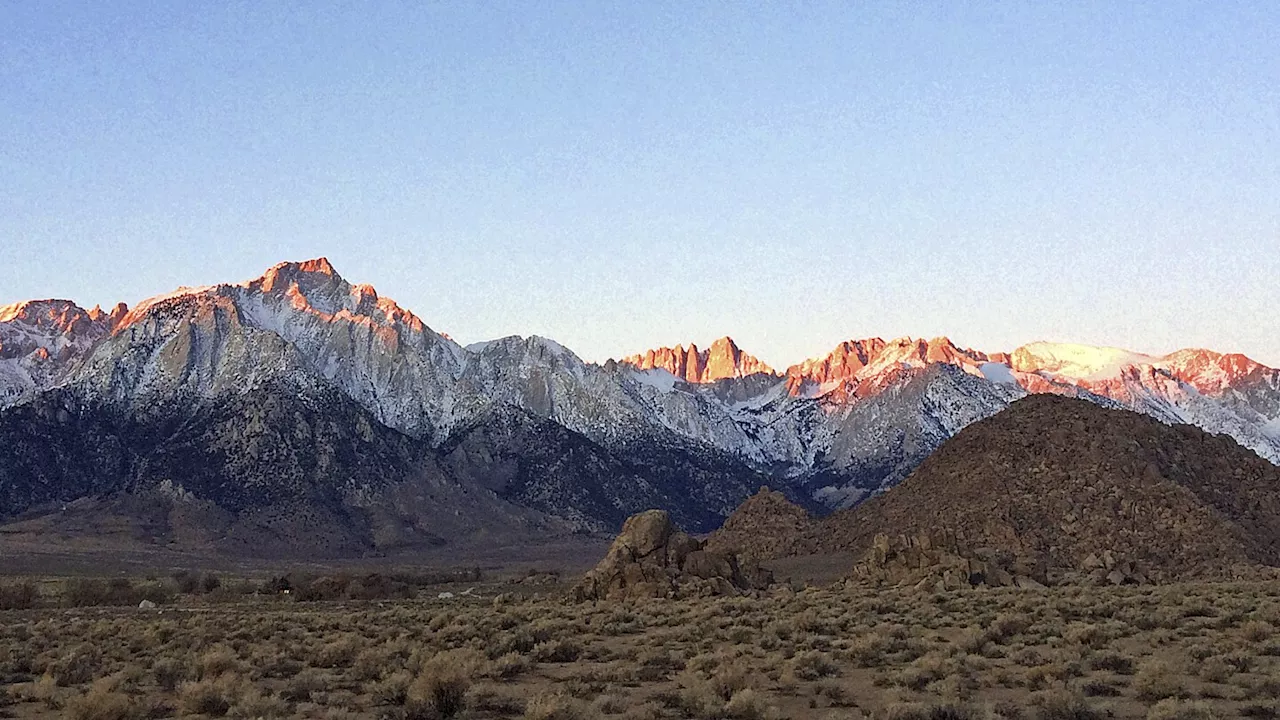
column 42, row 340
column 1224, row 394
column 873, row 409
column 830, row 429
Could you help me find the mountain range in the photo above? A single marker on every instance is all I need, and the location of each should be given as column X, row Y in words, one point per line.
column 296, row 408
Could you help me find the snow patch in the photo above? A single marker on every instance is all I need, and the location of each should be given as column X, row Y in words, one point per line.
column 1272, row 428
column 998, row 373
column 840, row 497
column 657, row 378
column 1080, row 362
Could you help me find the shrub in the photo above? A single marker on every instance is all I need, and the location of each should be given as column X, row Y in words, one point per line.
column 869, row 650
column 556, row 651
column 101, row 704
column 1098, row 688
column 339, row 653
column 393, row 689
column 169, row 672
column 321, row 589
column 18, row 596
column 1061, row 705
column 920, row 711
column 79, row 666
column 1171, row 709
column 1157, row 681
column 375, row 586
column 554, row 706
column 188, row 582
column 84, row 592
column 510, row 665
column 813, row 665
column 746, row 704
column 645, row 711
column 730, row 677
column 217, row 661
column 210, row 697
column 491, row 700
column 90, row 592
column 254, row 705
column 302, row 685
column 1257, row 631
column 44, row 691
column 210, row 583
column 370, row 664
column 440, row 689
column 1115, row 662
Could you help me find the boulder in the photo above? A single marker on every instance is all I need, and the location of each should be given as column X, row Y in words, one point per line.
column 647, row 531
column 653, row 558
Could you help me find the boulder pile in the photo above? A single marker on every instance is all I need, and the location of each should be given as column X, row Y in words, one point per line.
column 653, row 558
column 941, row 561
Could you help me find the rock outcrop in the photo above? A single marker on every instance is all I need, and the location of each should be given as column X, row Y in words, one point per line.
column 652, row 558
column 721, row 361
column 943, row 561
column 766, row 525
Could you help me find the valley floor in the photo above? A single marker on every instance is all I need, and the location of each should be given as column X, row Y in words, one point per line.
column 64, row 556
column 1177, row 651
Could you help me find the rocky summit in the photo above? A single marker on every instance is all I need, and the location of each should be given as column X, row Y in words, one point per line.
column 651, row 557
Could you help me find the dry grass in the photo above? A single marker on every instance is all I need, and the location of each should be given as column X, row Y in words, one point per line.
column 1189, row 651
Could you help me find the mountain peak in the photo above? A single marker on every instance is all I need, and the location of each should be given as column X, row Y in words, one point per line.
column 1080, row 362
column 312, row 283
column 315, row 271
column 56, row 316
column 854, row 360
column 316, row 266
column 1210, row 371
column 722, row 360
column 36, row 310
column 97, row 314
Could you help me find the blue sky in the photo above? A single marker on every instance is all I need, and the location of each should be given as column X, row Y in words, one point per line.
column 619, row 176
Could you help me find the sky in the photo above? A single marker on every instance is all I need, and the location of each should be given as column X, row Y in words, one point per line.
column 619, row 176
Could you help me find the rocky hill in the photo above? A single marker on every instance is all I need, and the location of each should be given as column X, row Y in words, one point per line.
column 766, row 525
column 1065, row 485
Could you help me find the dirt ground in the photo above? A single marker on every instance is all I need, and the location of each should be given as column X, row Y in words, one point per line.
column 513, row 648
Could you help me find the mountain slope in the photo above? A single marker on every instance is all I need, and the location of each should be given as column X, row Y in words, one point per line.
column 278, row 470
column 267, row 471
